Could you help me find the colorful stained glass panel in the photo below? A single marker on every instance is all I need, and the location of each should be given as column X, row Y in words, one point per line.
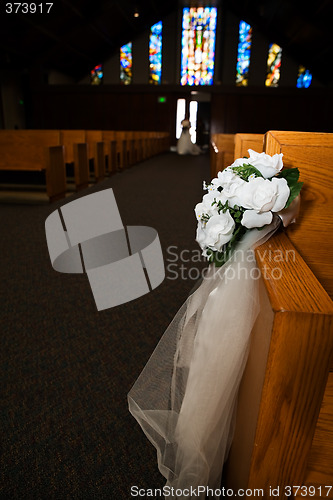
column 304, row 78
column 96, row 75
column 244, row 53
column 126, row 63
column 155, row 54
column 198, row 45
column 273, row 65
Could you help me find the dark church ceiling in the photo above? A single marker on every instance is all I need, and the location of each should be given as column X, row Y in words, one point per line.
column 78, row 34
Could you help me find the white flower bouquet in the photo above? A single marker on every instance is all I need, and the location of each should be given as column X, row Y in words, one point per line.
column 243, row 196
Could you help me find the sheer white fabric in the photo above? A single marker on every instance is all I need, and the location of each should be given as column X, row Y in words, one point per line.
column 185, row 397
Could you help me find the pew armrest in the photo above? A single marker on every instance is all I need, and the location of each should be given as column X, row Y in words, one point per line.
column 99, row 160
column 81, row 165
column 55, row 172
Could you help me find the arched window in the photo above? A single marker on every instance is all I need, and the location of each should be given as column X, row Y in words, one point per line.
column 96, row 75
column 304, row 78
column 243, row 55
column 198, row 45
column 273, row 65
column 155, row 54
column 126, row 63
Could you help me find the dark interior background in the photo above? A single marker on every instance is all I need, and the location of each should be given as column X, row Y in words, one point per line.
column 45, row 62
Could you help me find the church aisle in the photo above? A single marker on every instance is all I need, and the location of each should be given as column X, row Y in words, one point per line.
column 66, row 368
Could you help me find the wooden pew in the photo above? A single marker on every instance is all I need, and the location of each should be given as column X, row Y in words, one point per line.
column 244, row 142
column 123, row 148
column 111, row 151
column 76, row 152
column 131, row 148
column 222, row 147
column 35, row 150
column 162, row 141
column 284, row 425
column 143, row 136
column 94, row 140
column 140, row 144
column 165, row 141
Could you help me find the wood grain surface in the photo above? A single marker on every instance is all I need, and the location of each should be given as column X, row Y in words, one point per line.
column 244, row 142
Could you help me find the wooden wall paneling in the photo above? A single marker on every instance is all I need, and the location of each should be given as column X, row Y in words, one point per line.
column 233, row 109
column 80, row 113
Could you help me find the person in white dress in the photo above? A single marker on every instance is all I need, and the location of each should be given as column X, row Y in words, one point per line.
column 184, row 145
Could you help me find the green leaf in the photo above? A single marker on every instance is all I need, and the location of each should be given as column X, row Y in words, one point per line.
column 244, row 171
column 294, row 192
column 290, row 174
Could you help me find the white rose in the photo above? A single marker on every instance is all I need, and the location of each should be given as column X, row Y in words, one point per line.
column 201, row 235
column 217, row 232
column 205, row 208
column 283, row 192
column 267, row 165
column 252, row 218
column 232, row 185
column 210, row 197
column 240, row 162
column 264, row 195
column 220, row 197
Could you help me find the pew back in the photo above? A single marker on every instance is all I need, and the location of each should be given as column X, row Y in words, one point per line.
column 93, row 136
column 222, row 152
column 111, row 150
column 312, row 153
column 68, row 138
column 26, row 149
column 244, row 142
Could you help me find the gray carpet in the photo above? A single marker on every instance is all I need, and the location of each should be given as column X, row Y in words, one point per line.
column 66, row 368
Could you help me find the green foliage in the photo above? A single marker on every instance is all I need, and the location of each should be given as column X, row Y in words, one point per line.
column 291, row 175
column 235, row 212
column 244, row 171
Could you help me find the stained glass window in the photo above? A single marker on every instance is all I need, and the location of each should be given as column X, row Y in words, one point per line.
column 155, row 54
column 273, row 65
column 198, row 45
column 96, row 75
column 244, row 52
column 126, row 63
column 304, row 78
